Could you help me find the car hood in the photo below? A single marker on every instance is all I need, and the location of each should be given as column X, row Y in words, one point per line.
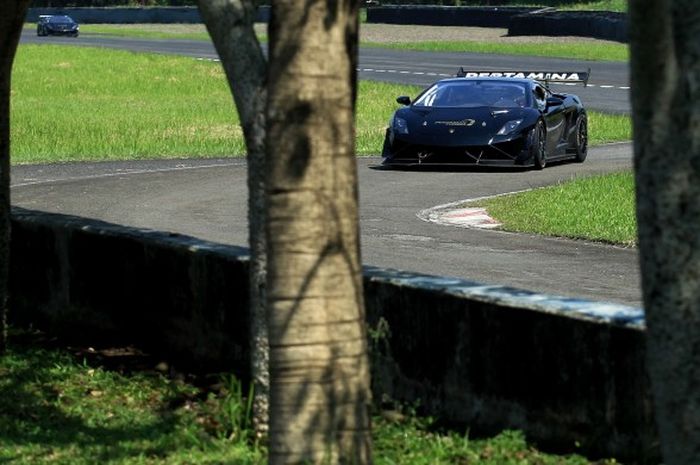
column 461, row 126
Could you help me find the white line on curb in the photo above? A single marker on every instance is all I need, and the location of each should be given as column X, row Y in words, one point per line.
column 466, row 217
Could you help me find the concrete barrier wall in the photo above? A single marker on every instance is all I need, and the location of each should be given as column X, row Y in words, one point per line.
column 105, row 284
column 444, row 15
column 565, row 371
column 519, row 21
column 123, row 15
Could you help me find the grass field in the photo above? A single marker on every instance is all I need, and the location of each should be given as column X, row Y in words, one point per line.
column 75, row 103
column 599, row 208
column 592, row 5
column 80, row 408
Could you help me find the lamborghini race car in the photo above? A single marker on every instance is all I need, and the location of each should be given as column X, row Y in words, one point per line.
column 57, row 25
column 489, row 118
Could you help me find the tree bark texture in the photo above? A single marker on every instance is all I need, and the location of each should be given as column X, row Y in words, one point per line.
column 665, row 78
column 320, row 397
column 12, row 15
column 230, row 24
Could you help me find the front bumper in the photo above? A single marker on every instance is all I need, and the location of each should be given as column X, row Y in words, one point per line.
column 511, row 152
column 57, row 32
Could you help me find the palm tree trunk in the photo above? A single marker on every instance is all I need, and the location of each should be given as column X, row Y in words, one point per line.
column 319, row 399
column 665, row 70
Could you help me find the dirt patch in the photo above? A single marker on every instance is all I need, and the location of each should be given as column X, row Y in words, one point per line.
column 395, row 33
column 391, row 33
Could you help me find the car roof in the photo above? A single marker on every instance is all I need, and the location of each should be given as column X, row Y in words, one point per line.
column 494, row 79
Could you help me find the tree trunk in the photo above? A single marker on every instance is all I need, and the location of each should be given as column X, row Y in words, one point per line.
column 230, row 24
column 665, row 70
column 319, row 399
column 11, row 22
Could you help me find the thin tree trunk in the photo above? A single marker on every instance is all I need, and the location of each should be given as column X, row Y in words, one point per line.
column 319, row 399
column 11, row 22
column 665, row 70
column 230, row 24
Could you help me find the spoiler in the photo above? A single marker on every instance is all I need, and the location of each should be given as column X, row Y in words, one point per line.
column 544, row 76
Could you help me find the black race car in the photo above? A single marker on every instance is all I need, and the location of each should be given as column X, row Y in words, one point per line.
column 57, row 25
column 489, row 118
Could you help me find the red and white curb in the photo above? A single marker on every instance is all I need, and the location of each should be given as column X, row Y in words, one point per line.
column 457, row 214
column 467, row 218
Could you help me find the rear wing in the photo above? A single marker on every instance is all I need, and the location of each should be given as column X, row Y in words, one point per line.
column 543, row 76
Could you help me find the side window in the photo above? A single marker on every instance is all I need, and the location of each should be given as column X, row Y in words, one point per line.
column 540, row 96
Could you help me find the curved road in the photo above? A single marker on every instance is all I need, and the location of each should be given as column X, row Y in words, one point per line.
column 207, row 199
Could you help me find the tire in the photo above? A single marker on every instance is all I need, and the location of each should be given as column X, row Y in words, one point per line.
column 40, row 32
column 538, row 146
column 581, row 138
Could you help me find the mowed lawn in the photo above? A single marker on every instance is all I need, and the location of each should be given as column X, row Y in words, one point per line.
column 599, row 208
column 75, row 103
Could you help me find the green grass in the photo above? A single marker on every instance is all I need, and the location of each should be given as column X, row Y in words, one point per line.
column 551, row 48
column 619, row 6
column 74, row 103
column 599, row 208
column 591, row 5
column 150, row 31
column 59, row 410
column 67, row 408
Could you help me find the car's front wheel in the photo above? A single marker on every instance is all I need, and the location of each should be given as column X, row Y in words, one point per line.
column 40, row 31
column 538, row 147
column 581, row 138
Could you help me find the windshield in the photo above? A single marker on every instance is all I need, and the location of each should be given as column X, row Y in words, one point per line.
column 60, row 19
column 474, row 93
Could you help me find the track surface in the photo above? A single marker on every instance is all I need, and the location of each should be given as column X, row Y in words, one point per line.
column 207, row 198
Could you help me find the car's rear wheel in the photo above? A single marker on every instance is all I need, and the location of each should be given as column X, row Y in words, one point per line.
column 538, row 148
column 581, row 138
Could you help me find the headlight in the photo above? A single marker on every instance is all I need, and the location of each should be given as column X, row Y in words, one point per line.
column 509, row 127
column 400, row 125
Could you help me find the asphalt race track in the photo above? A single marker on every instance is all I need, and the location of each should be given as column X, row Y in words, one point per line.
column 207, row 198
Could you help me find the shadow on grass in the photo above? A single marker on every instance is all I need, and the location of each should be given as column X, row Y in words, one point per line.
column 31, row 413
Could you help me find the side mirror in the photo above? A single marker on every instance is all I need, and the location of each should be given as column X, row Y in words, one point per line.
column 404, row 100
column 554, row 102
